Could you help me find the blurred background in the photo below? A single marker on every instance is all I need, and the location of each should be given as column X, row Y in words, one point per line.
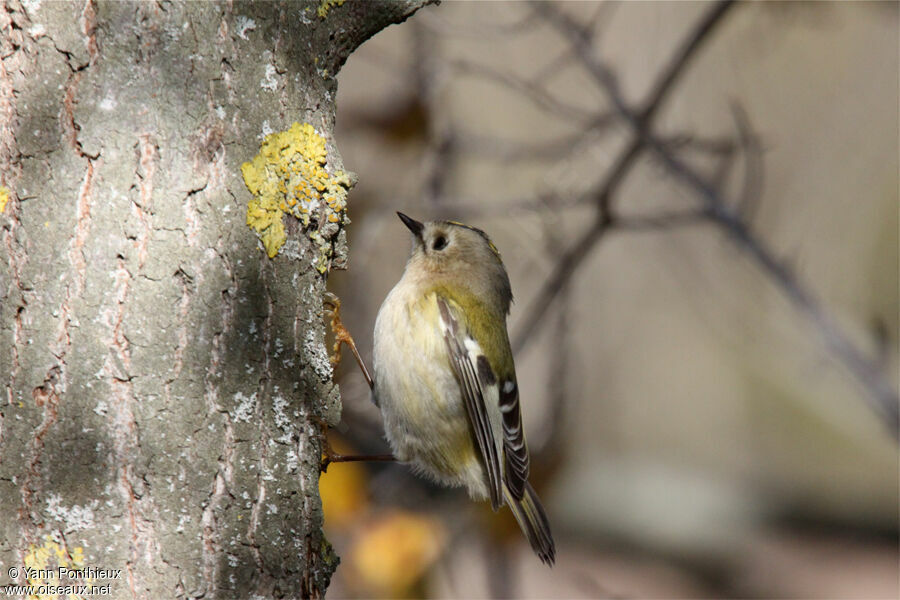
column 700, row 417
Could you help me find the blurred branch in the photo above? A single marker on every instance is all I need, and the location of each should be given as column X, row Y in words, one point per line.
column 562, row 61
column 581, row 41
column 440, row 153
column 753, row 168
column 539, row 96
column 712, row 146
column 572, row 259
column 661, row 221
column 880, row 393
column 504, row 150
column 553, row 439
column 565, row 267
column 438, row 24
column 558, row 200
column 582, row 46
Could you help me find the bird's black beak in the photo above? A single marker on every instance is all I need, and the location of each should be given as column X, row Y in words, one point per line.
column 413, row 225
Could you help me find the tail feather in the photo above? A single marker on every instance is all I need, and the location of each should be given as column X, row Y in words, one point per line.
column 533, row 520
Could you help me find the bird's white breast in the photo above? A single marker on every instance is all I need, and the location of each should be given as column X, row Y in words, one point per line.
column 424, row 416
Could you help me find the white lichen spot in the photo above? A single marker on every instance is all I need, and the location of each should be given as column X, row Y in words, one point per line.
column 232, row 560
column 316, row 356
column 102, row 408
column 244, row 24
column 282, row 421
column 271, row 509
column 220, row 112
column 31, row 6
column 266, row 129
column 182, row 520
column 73, row 518
column 281, row 418
column 37, row 30
column 293, row 461
column 269, row 82
column 245, row 408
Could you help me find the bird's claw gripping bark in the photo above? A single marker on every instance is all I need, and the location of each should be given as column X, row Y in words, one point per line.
column 330, row 456
column 342, row 336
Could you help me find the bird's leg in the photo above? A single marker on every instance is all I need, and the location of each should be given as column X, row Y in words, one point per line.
column 330, row 456
column 342, row 336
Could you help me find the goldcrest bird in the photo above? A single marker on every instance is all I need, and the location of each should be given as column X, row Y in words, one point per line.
column 444, row 374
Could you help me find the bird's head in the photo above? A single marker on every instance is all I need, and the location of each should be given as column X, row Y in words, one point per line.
column 458, row 253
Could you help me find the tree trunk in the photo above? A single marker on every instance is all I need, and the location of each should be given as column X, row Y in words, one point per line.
column 165, row 380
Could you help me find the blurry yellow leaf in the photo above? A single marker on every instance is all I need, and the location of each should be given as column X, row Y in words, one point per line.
column 344, row 490
column 393, row 553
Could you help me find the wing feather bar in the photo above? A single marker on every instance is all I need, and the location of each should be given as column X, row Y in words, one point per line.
column 473, row 398
column 515, row 450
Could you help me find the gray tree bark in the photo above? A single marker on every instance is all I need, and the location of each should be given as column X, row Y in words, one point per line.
column 165, row 380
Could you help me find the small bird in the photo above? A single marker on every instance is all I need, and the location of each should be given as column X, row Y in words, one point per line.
column 444, row 374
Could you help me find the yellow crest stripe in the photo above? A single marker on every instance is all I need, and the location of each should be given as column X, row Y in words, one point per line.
column 479, row 232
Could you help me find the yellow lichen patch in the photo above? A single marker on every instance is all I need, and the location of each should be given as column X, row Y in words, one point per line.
column 288, row 176
column 264, row 215
column 4, row 198
column 326, row 5
column 44, row 563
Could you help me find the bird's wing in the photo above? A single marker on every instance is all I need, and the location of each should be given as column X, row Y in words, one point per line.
column 491, row 399
column 477, row 385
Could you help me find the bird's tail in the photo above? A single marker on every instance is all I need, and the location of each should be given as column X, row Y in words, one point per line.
column 533, row 521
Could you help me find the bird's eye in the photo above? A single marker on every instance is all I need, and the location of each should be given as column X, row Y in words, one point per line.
column 440, row 242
